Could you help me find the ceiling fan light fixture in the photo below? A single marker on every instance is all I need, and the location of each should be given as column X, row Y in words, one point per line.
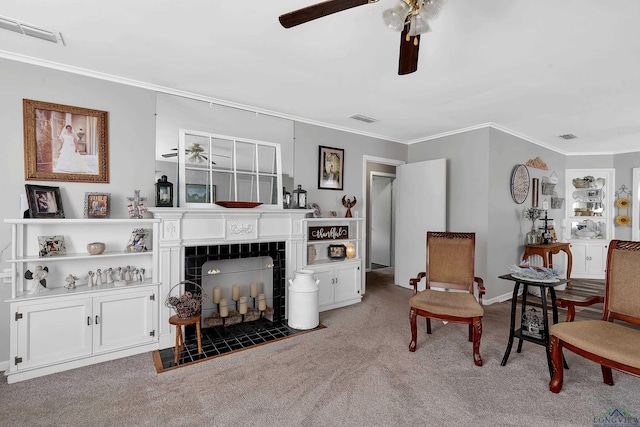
column 395, row 17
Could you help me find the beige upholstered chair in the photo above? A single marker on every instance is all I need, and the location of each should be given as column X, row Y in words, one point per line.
column 612, row 345
column 450, row 265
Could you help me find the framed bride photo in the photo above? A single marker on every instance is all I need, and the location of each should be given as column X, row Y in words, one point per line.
column 65, row 143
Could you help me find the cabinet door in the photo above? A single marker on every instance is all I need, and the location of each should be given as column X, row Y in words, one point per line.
column 53, row 332
column 597, row 259
column 579, row 254
column 347, row 282
column 122, row 320
column 325, row 286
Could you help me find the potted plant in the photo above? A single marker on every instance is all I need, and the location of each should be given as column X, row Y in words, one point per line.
column 532, row 214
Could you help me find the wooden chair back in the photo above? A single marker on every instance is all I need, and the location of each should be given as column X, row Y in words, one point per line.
column 450, row 260
column 622, row 296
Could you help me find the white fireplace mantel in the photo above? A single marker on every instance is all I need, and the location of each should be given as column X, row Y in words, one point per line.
column 180, row 228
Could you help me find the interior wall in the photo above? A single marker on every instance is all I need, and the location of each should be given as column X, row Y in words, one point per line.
column 306, row 163
column 131, row 138
column 467, row 157
column 507, row 225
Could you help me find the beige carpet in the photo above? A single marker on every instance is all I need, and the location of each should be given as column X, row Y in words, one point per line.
column 356, row 372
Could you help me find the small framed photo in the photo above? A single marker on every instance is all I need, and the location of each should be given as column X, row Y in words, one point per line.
column 199, row 193
column 97, row 205
column 139, row 240
column 44, row 201
column 331, row 168
column 337, row 252
column 51, row 246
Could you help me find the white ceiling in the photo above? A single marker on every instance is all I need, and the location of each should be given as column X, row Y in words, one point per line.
column 538, row 69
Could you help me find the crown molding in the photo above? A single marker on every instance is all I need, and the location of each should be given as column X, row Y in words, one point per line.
column 171, row 91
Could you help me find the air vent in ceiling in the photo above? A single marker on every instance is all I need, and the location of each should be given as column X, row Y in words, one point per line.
column 567, row 136
column 30, row 30
column 363, row 118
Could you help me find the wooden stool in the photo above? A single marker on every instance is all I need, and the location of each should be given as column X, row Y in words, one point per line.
column 179, row 323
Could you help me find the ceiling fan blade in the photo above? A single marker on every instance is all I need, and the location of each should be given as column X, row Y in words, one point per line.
column 169, row 155
column 408, row 62
column 319, row 10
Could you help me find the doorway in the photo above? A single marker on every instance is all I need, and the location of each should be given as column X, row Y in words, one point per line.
column 381, row 220
column 383, row 170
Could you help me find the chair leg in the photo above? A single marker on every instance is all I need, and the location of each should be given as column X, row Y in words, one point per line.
column 414, row 330
column 477, row 335
column 470, row 332
column 555, row 385
column 428, row 325
column 607, row 377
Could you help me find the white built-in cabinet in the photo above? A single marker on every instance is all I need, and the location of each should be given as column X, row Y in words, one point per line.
column 589, row 259
column 340, row 280
column 59, row 329
column 590, row 214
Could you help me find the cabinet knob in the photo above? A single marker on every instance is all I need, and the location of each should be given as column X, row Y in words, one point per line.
column 88, row 320
column 97, row 319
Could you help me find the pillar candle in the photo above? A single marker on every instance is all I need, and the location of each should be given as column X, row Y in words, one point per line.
column 224, row 310
column 243, row 305
column 217, row 294
column 262, row 302
column 235, row 292
column 254, row 289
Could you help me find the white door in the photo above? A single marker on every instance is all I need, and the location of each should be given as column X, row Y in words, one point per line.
column 381, row 217
column 421, row 197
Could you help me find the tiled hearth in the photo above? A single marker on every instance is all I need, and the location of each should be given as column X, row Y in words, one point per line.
column 220, row 341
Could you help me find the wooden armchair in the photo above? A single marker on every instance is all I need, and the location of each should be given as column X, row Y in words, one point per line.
column 612, row 345
column 450, row 266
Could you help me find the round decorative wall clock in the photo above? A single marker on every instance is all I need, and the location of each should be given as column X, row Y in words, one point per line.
column 520, row 183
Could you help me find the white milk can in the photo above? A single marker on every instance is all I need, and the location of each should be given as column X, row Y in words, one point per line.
column 303, row 301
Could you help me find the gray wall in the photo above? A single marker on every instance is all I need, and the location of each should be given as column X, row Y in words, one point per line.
column 131, row 147
column 467, row 157
column 309, row 138
column 479, row 165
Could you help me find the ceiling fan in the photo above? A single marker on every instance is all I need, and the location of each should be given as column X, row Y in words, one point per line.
column 408, row 16
column 194, row 152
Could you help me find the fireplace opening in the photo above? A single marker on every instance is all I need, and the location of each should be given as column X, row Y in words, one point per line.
column 243, row 264
column 238, row 290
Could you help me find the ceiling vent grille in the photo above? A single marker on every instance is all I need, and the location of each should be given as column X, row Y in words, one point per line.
column 30, row 30
column 363, row 118
column 567, row 136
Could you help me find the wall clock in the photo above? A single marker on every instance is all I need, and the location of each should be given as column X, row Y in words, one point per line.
column 520, row 183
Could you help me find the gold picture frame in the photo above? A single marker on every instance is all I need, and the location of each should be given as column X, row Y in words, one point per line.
column 65, row 143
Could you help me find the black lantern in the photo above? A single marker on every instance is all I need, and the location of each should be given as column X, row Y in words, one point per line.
column 164, row 193
column 299, row 198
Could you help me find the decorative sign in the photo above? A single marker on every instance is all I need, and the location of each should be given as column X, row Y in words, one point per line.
column 333, row 232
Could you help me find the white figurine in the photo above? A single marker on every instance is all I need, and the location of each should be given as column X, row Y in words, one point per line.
column 109, row 275
column 98, row 277
column 71, row 281
column 141, row 274
column 90, row 279
column 39, row 277
column 118, row 277
column 127, row 274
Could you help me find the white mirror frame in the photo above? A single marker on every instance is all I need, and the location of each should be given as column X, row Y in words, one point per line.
column 635, row 205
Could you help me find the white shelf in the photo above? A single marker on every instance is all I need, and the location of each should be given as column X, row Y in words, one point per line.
column 79, row 290
column 69, row 257
column 93, row 221
column 333, row 261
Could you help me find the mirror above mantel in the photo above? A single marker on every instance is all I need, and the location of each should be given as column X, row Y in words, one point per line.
column 174, row 113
